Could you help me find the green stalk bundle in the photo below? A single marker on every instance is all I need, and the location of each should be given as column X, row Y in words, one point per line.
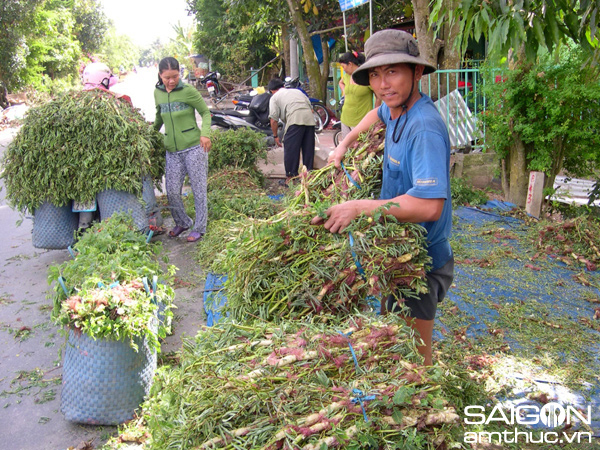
column 362, row 163
column 80, row 144
column 294, row 386
column 285, row 267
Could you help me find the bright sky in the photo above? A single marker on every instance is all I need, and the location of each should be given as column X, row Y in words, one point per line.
column 147, row 20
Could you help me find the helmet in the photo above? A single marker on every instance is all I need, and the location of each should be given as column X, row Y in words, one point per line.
column 98, row 75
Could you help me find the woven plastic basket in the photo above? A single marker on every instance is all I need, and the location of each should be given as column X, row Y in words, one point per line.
column 54, row 226
column 111, row 201
column 104, row 381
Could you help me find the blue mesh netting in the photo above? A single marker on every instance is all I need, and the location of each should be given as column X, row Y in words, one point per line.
column 111, row 201
column 214, row 298
column 104, row 381
column 502, row 285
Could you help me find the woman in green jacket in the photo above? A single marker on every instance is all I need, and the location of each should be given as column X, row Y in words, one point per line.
column 187, row 145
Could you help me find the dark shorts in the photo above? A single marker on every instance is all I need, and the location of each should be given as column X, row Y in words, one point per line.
column 425, row 306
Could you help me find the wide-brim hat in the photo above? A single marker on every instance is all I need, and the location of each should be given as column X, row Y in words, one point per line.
column 389, row 47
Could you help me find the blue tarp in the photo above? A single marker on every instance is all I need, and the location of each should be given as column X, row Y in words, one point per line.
column 540, row 287
column 214, row 298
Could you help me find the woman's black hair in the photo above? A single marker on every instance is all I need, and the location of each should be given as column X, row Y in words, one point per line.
column 352, row 57
column 168, row 63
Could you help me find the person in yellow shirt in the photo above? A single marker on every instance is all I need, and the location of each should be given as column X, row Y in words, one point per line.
column 358, row 100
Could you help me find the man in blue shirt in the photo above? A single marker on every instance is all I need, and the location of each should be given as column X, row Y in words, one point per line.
column 416, row 171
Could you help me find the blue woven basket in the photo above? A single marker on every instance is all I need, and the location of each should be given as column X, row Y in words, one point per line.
column 104, row 381
column 54, row 226
column 111, row 201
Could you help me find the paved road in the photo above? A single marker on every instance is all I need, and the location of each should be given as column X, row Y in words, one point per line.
column 30, row 363
column 29, row 344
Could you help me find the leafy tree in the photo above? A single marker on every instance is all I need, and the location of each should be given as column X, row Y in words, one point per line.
column 153, row 54
column 233, row 35
column 91, row 24
column 553, row 108
column 182, row 46
column 118, row 51
column 53, row 49
column 16, row 20
column 519, row 30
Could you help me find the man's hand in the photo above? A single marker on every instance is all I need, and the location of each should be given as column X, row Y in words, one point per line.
column 278, row 142
column 337, row 155
column 339, row 216
column 205, row 143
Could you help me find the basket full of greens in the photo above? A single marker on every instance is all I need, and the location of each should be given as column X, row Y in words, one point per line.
column 78, row 145
column 115, row 309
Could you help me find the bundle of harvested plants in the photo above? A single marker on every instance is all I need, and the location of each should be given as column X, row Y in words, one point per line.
column 285, row 267
column 78, row 145
column 302, row 385
column 358, row 178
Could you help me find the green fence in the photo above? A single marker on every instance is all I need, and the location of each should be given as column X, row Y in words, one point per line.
column 459, row 98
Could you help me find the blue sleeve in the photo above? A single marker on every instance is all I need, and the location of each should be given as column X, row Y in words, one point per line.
column 383, row 112
column 428, row 166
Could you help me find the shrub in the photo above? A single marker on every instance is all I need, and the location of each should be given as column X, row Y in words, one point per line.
column 240, row 149
column 464, row 194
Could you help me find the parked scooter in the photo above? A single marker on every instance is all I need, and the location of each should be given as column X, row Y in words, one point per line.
column 213, row 86
column 242, row 101
column 337, row 125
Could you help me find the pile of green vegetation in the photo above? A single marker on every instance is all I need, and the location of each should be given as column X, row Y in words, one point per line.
column 463, row 194
column 353, row 382
column 237, row 149
column 101, row 291
column 78, row 145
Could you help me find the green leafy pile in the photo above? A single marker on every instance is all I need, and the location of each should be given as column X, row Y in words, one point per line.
column 285, row 267
column 241, row 149
column 297, row 385
column 234, row 194
column 78, row 145
column 464, row 194
column 102, row 292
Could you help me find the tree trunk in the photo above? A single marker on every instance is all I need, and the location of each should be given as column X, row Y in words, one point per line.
column 557, row 163
column 322, row 94
column 437, row 48
column 518, row 154
column 285, row 41
column 518, row 179
column 312, row 65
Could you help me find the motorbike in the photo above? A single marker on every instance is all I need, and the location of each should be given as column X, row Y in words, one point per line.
column 337, row 126
column 242, row 103
column 213, row 86
column 256, row 117
column 337, row 137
